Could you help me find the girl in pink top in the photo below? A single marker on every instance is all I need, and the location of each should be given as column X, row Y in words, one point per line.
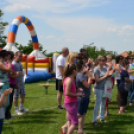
column 70, row 95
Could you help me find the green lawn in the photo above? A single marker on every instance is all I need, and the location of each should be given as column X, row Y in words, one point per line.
column 45, row 118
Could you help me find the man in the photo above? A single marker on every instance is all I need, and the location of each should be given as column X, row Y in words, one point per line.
column 60, row 63
column 20, row 82
column 83, row 52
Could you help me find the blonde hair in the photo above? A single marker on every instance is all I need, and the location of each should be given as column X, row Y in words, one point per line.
column 100, row 57
column 70, row 58
column 109, row 56
column 97, row 60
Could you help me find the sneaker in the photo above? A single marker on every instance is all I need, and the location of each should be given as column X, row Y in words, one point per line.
column 18, row 112
column 24, row 110
column 6, row 122
column 60, row 107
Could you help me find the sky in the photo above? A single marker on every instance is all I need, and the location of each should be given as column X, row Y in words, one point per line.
column 74, row 23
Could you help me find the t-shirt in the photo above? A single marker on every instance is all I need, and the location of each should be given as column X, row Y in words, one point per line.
column 86, row 91
column 124, row 74
column 12, row 80
column 131, row 67
column 20, row 79
column 69, row 99
column 117, row 74
column 60, row 62
column 2, row 113
column 100, row 73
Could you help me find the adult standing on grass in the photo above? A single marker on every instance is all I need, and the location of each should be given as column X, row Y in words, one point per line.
column 60, row 63
column 20, row 81
column 118, row 68
column 100, row 74
column 124, row 86
column 131, row 72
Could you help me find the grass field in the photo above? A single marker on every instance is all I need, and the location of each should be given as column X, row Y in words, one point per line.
column 45, row 118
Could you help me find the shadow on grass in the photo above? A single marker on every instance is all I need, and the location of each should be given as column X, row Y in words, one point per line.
column 113, row 126
column 43, row 116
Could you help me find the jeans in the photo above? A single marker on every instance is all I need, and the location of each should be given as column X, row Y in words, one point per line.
column 131, row 93
column 100, row 103
column 1, row 125
column 8, row 112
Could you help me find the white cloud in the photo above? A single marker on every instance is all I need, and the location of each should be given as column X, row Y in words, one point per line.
column 127, row 30
column 111, row 29
column 50, row 37
column 16, row 7
column 53, row 6
column 46, row 37
column 70, row 40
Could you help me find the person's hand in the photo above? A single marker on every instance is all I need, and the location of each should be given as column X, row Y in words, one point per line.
column 80, row 95
column 7, row 92
column 111, row 72
column 9, row 61
column 20, row 74
column 107, row 73
column 80, row 89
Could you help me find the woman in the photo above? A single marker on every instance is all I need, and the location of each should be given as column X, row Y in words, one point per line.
column 118, row 68
column 124, row 86
column 84, row 82
column 109, row 64
column 131, row 73
column 100, row 74
column 71, row 58
column 12, row 80
column 4, row 71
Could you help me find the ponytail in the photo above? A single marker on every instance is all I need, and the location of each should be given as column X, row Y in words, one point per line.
column 68, row 70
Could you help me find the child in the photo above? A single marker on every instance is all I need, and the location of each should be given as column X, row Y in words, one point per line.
column 3, row 102
column 84, row 82
column 70, row 95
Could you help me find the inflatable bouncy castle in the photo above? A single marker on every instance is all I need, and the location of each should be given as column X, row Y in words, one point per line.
column 36, row 65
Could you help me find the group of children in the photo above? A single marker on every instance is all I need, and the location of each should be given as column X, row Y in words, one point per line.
column 77, row 80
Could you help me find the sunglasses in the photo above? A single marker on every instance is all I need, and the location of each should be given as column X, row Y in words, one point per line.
column 102, row 60
column 131, row 58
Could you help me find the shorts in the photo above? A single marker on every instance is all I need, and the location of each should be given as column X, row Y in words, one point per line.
column 123, row 97
column 59, row 85
column 83, row 106
column 20, row 91
column 72, row 112
column 118, row 83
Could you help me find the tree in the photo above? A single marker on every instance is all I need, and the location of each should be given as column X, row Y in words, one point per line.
column 2, row 27
column 28, row 48
column 94, row 52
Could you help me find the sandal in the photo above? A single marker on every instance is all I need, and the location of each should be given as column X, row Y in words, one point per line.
column 96, row 124
column 106, row 114
column 120, row 111
column 104, row 121
column 75, row 130
column 61, row 132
